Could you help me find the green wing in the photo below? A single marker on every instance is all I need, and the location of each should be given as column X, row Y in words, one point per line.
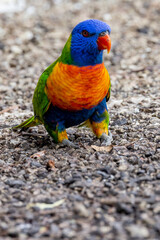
column 40, row 100
column 109, row 92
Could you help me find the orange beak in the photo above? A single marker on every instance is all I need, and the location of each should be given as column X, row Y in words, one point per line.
column 104, row 42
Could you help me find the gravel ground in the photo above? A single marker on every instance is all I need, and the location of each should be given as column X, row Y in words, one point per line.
column 48, row 191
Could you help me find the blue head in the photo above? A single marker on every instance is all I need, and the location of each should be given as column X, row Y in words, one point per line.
column 89, row 39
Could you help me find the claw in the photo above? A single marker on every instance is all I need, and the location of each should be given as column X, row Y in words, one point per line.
column 106, row 139
column 68, row 143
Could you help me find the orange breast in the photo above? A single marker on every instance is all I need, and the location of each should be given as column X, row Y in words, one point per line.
column 75, row 88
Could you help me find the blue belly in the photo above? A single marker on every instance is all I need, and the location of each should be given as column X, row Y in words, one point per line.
column 65, row 119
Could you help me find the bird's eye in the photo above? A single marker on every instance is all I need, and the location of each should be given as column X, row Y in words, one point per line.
column 85, row 33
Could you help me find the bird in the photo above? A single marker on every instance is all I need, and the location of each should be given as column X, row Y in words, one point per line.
column 74, row 89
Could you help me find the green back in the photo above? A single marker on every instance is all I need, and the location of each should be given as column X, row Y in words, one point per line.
column 40, row 99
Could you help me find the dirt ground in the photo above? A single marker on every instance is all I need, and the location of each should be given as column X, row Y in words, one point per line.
column 48, row 191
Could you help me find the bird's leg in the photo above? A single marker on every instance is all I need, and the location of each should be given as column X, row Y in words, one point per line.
column 62, row 135
column 63, row 138
column 59, row 135
column 100, row 127
column 106, row 139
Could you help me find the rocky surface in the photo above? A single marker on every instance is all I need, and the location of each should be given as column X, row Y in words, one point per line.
column 48, row 191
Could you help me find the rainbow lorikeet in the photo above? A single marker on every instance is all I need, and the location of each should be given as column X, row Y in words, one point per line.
column 74, row 89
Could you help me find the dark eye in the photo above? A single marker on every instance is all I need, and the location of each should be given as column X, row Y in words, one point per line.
column 85, row 33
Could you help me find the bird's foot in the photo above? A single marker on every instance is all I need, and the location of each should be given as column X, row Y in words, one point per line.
column 68, row 143
column 106, row 139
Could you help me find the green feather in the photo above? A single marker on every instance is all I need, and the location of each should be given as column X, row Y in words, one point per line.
column 40, row 100
column 30, row 122
column 108, row 93
column 66, row 52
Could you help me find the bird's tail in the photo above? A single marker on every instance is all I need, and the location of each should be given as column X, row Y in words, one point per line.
column 30, row 122
column 87, row 124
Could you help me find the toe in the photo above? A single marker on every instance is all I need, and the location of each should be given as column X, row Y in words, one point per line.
column 68, row 143
column 106, row 139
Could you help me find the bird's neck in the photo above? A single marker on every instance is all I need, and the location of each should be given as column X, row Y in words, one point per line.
column 80, row 59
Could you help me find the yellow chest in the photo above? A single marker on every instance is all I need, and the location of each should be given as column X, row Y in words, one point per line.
column 75, row 88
